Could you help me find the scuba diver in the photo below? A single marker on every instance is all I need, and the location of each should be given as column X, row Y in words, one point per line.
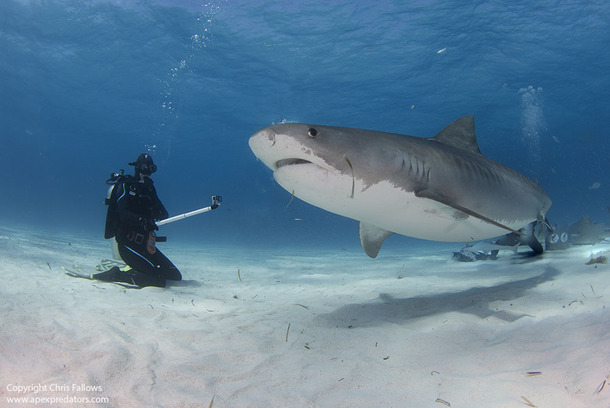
column 133, row 209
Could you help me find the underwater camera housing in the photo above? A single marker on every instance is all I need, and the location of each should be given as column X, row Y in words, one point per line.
column 216, row 199
column 557, row 239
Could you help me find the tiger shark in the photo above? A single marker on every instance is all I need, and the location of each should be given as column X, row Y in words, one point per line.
column 441, row 188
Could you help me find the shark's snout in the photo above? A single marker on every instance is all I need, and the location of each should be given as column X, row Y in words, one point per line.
column 266, row 135
column 261, row 144
column 277, row 148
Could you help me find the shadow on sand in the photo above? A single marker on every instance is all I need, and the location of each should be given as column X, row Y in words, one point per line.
column 388, row 309
column 185, row 283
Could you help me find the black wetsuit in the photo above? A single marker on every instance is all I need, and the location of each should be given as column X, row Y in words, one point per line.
column 133, row 207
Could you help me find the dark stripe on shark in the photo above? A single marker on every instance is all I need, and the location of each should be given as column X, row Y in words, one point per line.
column 417, row 170
column 437, row 197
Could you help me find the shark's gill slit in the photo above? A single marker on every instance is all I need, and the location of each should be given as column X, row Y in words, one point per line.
column 352, row 169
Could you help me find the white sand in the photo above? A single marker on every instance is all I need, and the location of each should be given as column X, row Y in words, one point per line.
column 404, row 330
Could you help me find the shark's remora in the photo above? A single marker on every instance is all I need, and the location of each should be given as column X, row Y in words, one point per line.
column 441, row 188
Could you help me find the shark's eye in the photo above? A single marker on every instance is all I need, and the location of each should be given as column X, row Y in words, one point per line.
column 312, row 132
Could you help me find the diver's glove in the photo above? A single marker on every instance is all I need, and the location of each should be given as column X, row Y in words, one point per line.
column 148, row 224
column 152, row 225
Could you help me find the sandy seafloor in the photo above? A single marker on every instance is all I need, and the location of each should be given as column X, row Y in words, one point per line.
column 305, row 328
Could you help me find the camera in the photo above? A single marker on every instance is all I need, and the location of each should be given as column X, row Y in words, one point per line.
column 216, row 200
column 557, row 239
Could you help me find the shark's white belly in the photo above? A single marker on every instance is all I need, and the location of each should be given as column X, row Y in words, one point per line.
column 385, row 206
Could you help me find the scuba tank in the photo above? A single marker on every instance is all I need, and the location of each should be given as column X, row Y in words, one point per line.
column 112, row 215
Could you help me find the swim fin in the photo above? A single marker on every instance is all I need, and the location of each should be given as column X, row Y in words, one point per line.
column 76, row 274
column 109, row 276
column 107, row 264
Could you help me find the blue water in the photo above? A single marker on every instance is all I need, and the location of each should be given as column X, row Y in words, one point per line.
column 85, row 86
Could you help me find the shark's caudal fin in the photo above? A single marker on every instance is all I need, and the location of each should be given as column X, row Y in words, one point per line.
column 528, row 237
column 371, row 238
column 460, row 134
column 525, row 236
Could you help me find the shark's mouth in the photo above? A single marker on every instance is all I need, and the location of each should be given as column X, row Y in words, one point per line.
column 290, row 162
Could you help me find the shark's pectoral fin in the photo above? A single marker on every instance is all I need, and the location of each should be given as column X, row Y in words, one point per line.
column 371, row 238
column 444, row 200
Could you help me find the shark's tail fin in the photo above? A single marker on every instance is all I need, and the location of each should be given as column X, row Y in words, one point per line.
column 528, row 237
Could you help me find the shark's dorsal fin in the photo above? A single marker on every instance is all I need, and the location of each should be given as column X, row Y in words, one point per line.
column 460, row 134
column 371, row 238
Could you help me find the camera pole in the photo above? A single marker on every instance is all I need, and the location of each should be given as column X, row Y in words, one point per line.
column 216, row 200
